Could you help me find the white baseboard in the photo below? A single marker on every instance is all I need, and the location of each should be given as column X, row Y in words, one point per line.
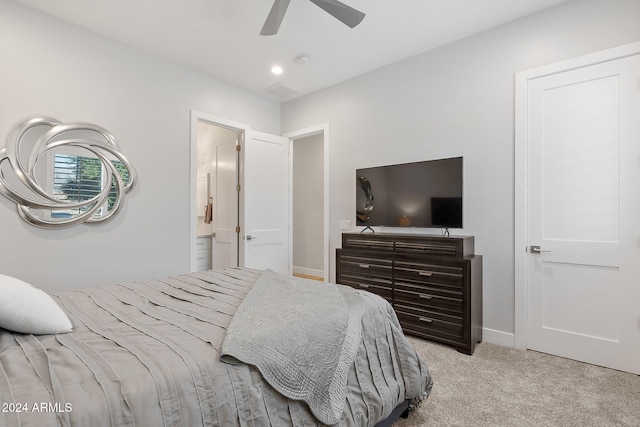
column 504, row 339
column 308, row 271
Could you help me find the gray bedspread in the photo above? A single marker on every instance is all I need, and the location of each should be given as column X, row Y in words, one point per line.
column 148, row 354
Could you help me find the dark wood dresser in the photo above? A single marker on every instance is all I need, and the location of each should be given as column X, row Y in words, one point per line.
column 434, row 283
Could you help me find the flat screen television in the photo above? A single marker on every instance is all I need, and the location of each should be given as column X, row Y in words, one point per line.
column 419, row 194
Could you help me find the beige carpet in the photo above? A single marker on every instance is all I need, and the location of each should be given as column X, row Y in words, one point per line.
column 500, row 386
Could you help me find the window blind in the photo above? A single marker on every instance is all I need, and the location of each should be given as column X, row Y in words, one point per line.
column 79, row 178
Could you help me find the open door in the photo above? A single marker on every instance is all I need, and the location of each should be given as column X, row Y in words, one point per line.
column 264, row 198
column 225, row 218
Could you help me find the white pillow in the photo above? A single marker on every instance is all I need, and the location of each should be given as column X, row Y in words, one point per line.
column 29, row 310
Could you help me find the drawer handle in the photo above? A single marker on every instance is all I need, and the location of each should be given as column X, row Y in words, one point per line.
column 426, row 296
column 363, row 265
column 364, row 286
column 426, row 319
column 425, row 273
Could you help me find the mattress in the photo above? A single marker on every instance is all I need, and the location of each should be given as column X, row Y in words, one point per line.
column 147, row 353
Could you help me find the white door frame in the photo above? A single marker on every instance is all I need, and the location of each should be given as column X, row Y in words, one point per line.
column 199, row 116
column 310, row 131
column 521, row 161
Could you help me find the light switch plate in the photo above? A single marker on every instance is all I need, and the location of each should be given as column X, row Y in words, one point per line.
column 345, row 224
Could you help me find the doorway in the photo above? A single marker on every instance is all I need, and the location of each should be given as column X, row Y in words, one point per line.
column 310, row 202
column 217, row 212
column 250, row 189
column 577, row 243
column 308, row 207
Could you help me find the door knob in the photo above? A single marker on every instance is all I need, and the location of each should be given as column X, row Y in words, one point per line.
column 536, row 249
column 250, row 237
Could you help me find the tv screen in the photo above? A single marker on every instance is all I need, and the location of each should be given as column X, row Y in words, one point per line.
column 419, row 194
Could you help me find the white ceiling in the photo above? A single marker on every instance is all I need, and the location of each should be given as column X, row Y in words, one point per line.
column 221, row 37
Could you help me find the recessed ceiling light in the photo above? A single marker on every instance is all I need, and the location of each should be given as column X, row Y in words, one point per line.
column 276, row 69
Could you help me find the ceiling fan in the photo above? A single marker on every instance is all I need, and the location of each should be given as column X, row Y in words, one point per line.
column 343, row 13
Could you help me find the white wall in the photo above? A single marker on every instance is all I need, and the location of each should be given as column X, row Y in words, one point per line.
column 458, row 101
column 308, row 205
column 48, row 67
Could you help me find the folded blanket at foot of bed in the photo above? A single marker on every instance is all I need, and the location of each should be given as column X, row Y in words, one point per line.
column 303, row 336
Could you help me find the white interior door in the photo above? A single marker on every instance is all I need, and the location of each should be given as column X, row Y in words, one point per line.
column 225, row 216
column 265, row 202
column 583, row 175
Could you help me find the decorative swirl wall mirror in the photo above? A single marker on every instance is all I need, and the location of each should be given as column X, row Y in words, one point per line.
column 64, row 174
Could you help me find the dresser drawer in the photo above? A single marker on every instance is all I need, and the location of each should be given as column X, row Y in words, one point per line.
column 203, row 260
column 430, row 322
column 429, row 298
column 203, row 243
column 360, row 241
column 366, row 273
column 426, row 272
column 445, row 247
column 365, row 266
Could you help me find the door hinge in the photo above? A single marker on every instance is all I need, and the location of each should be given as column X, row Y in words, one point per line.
column 238, row 187
column 237, row 229
column 238, row 147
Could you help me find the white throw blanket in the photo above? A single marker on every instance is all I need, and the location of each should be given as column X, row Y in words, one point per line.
column 302, row 335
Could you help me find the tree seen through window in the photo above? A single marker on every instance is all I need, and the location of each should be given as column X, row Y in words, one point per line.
column 79, row 178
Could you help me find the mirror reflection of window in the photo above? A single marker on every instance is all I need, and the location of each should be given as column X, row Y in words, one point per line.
column 78, row 178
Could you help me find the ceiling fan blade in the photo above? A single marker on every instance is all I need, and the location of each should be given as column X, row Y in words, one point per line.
column 274, row 19
column 343, row 13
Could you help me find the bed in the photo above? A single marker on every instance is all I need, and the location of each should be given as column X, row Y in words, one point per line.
column 182, row 351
